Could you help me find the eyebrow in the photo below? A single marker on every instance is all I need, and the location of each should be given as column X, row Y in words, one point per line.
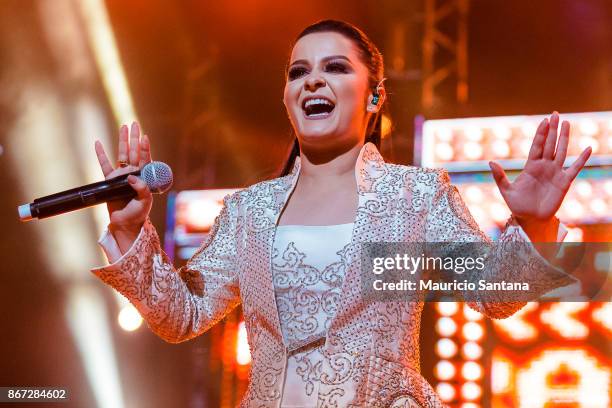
column 331, row 57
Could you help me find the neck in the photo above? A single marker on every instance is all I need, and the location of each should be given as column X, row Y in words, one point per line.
column 320, row 168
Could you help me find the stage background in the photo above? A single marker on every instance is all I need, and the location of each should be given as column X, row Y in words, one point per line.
column 205, row 80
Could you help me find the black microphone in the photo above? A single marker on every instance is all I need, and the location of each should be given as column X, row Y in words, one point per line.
column 157, row 176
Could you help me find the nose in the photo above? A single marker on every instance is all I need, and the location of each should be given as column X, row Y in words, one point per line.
column 314, row 82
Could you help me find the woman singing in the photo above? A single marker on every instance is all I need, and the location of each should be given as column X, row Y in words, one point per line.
column 288, row 249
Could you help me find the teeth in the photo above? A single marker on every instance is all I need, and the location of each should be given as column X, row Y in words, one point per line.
column 317, row 101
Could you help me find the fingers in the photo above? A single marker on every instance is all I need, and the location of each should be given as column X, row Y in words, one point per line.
column 122, row 155
column 551, row 138
column 145, row 151
column 537, row 146
column 573, row 170
column 134, row 143
column 563, row 142
column 140, row 187
column 105, row 164
column 500, row 176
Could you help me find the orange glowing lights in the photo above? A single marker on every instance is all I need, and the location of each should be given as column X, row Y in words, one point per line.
column 446, row 327
column 243, row 353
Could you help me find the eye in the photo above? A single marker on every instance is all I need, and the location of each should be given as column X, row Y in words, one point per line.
column 336, row 67
column 295, row 73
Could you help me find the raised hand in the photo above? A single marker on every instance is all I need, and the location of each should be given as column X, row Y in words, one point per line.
column 134, row 152
column 537, row 193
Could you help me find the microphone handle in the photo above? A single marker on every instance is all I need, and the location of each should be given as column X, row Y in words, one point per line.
column 113, row 189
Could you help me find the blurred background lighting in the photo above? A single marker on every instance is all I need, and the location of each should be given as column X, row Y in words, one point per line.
column 588, row 381
column 563, row 318
column 471, row 350
column 471, row 370
column 446, row 327
column 471, row 314
column 447, row 308
column 243, row 353
column 129, row 319
column 471, row 391
column 473, row 331
column 446, row 391
column 445, row 370
column 446, row 348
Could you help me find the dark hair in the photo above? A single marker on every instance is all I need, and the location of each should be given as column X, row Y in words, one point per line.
column 373, row 60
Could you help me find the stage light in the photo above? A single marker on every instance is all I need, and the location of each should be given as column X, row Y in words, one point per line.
column 478, row 140
column 88, row 322
column 447, row 308
column 470, row 405
column 444, row 152
column 104, row 48
column 516, row 327
column 471, row 371
column 575, row 209
column 501, row 375
column 472, row 150
column 599, row 207
column 471, row 391
column 608, row 187
column 525, row 146
column 473, row 194
column 603, row 315
column 471, row 314
column 471, row 350
column 574, row 235
column 480, row 215
column 386, row 125
column 446, row 327
column 473, row 133
column 500, row 148
column 588, row 127
column 446, row 391
column 129, row 319
column 502, row 132
column 499, row 212
column 446, row 348
column 583, row 188
column 585, row 142
column 528, row 128
column 472, row 331
column 200, row 214
column 561, row 319
column 243, row 353
column 581, row 380
column 444, row 134
column 444, row 370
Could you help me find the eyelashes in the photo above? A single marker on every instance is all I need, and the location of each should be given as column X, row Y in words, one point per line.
column 333, row 67
column 295, row 73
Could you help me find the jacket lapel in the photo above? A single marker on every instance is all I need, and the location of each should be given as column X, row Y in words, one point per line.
column 369, row 168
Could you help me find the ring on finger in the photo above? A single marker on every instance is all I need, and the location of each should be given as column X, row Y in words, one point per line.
column 122, row 163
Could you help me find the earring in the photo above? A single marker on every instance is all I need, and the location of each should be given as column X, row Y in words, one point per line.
column 375, row 98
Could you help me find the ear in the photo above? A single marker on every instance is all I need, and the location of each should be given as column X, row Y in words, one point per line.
column 382, row 94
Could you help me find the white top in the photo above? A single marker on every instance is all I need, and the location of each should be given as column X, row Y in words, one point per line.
column 308, row 266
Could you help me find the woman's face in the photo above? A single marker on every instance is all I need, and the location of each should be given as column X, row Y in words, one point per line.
column 327, row 91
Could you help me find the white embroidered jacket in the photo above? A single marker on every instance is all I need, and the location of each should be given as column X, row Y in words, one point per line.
column 372, row 348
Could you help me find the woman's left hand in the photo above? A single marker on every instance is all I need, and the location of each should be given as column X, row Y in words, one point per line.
column 537, row 193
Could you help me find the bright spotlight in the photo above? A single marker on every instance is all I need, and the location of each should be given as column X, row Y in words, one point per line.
column 129, row 319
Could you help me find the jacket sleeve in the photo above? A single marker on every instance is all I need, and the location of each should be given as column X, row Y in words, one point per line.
column 179, row 304
column 512, row 259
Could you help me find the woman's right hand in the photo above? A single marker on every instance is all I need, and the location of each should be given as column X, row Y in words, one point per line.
column 128, row 216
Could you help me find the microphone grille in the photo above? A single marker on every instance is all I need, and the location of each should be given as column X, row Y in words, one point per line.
column 158, row 176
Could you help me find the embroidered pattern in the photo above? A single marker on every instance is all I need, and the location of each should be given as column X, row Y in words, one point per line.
column 371, row 353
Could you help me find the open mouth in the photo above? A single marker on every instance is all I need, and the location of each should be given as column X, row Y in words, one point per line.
column 317, row 107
